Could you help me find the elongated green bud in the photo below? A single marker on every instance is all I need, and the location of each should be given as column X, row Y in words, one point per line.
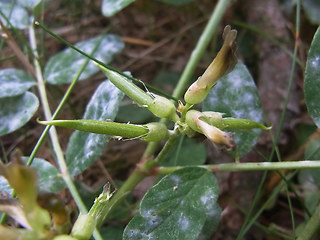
column 221, row 65
column 159, row 106
column 163, row 108
column 148, row 132
column 130, row 89
column 101, row 127
column 232, row 123
column 83, row 227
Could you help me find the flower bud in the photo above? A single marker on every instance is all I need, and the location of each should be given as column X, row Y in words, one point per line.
column 163, row 108
column 217, row 136
column 221, row 65
column 214, row 134
column 157, row 132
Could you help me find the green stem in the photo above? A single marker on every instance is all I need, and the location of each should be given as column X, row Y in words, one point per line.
column 52, row 132
column 250, row 166
column 283, row 113
column 201, row 46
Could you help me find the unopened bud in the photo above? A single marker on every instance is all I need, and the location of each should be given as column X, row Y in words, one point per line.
column 157, row 132
column 214, row 134
column 217, row 136
column 163, row 108
column 221, row 65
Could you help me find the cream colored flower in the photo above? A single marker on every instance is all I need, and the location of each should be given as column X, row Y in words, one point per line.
column 217, row 136
column 221, row 65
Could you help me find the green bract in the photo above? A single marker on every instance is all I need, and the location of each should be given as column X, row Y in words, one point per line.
column 163, row 108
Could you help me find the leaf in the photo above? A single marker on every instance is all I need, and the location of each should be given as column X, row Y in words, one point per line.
column 134, row 114
column 63, row 67
column 236, row 95
column 17, row 15
column 310, row 178
column 49, row 177
column 111, row 232
column 28, row 3
column 14, row 82
column 176, row 2
column 312, row 9
column 178, row 207
column 16, row 111
column 24, row 181
column 111, row 7
column 190, row 153
column 312, row 79
column 83, row 147
column 4, row 186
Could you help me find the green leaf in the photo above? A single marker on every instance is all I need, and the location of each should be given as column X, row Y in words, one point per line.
column 111, row 232
column 176, row 2
column 312, row 79
column 28, row 3
column 16, row 111
column 134, row 114
column 310, row 178
column 190, row 153
column 14, row 82
column 83, row 147
column 17, row 15
column 111, row 7
column 49, row 177
column 312, row 9
column 63, row 67
column 178, row 207
column 236, row 95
